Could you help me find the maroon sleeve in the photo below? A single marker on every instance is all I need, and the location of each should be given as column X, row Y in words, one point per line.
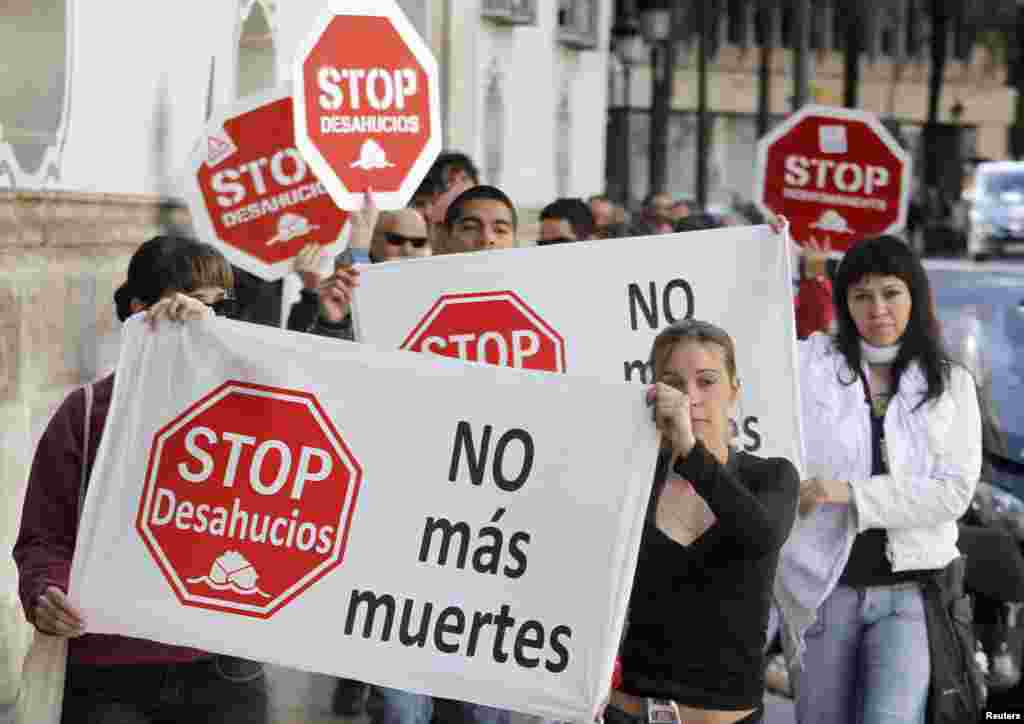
column 49, row 518
column 814, row 311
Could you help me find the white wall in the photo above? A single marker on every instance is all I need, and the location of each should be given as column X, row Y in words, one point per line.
column 137, row 68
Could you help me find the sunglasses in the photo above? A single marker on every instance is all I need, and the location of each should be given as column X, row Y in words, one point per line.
column 418, row 242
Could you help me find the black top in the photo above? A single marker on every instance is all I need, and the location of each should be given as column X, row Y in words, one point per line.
column 698, row 613
column 868, row 564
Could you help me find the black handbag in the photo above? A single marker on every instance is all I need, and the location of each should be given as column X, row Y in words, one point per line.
column 958, row 690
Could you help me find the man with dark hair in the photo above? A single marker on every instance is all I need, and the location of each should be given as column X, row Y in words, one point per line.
column 425, row 196
column 452, row 167
column 565, row 220
column 655, row 216
column 603, row 210
column 480, row 219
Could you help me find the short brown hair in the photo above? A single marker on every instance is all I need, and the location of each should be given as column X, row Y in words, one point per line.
column 692, row 330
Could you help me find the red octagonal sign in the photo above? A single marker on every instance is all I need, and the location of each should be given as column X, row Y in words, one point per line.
column 367, row 103
column 252, row 194
column 248, row 499
column 836, row 174
column 494, row 327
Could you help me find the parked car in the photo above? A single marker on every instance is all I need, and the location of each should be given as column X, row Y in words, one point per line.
column 981, row 308
column 993, row 222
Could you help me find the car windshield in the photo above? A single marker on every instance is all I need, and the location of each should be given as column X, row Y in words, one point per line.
column 1006, row 186
column 982, row 316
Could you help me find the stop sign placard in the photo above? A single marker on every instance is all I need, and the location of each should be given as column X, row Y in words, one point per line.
column 248, row 499
column 252, row 194
column 494, row 327
column 837, row 174
column 367, row 102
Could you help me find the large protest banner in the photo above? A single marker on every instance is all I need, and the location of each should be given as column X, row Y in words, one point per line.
column 593, row 308
column 420, row 523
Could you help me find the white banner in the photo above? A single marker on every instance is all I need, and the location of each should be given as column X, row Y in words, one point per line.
column 424, row 524
column 593, row 308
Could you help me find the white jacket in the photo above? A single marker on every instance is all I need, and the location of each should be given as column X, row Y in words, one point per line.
column 934, row 455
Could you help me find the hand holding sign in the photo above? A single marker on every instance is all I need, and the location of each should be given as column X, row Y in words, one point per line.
column 55, row 616
column 672, row 416
column 336, row 294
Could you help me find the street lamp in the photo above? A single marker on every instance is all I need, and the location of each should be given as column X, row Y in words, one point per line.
column 628, row 46
column 656, row 22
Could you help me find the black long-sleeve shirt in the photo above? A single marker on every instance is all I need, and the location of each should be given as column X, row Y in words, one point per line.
column 698, row 613
column 305, row 317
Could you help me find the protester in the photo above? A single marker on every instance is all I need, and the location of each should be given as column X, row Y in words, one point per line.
column 893, row 448
column 715, row 524
column 565, row 220
column 425, row 196
column 481, row 218
column 454, row 168
column 112, row 678
column 606, row 225
column 399, row 235
column 655, row 216
column 680, row 209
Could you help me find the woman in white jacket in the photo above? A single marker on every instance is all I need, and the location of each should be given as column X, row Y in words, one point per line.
column 893, row 453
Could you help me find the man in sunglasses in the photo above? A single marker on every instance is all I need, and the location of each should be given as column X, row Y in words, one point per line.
column 399, row 235
column 323, row 307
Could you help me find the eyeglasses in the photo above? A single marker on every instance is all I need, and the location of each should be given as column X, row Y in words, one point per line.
column 418, row 242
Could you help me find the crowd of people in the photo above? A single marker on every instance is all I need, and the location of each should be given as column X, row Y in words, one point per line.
column 893, row 456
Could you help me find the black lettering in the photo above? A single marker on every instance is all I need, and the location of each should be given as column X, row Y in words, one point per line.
column 518, row 553
column 492, row 551
column 373, row 602
column 562, row 662
column 448, row 531
column 446, row 628
column 749, row 427
column 650, row 311
column 503, row 621
column 420, row 639
column 666, row 300
column 479, row 621
column 530, row 636
column 638, row 367
column 510, row 486
column 464, row 438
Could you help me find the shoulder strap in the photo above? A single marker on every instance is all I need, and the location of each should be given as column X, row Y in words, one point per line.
column 86, row 443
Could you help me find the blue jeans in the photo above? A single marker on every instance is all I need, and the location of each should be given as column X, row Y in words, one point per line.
column 867, row 659
column 393, row 706
column 220, row 690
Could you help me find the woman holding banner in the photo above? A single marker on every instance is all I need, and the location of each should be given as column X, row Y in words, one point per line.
column 113, row 679
column 892, row 439
column 693, row 645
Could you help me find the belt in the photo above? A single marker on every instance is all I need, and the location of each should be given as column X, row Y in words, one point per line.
column 637, row 706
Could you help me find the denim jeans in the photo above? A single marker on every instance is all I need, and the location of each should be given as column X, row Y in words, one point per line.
column 220, row 690
column 867, row 659
column 393, row 706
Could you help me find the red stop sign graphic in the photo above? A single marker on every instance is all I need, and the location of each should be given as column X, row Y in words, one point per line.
column 367, row 104
column 493, row 327
column 248, row 499
column 252, row 194
column 837, row 174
